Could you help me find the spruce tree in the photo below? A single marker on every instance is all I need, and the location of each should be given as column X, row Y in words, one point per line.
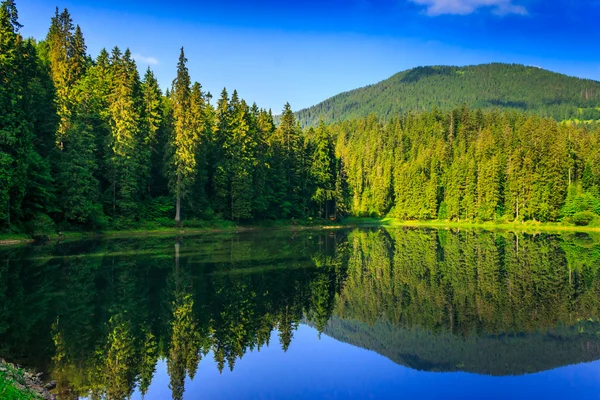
column 242, row 160
column 184, row 141
column 221, row 181
column 290, row 143
column 322, row 170
column 153, row 120
column 127, row 157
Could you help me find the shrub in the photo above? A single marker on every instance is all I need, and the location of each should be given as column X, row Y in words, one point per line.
column 160, row 209
column 583, row 218
column 97, row 220
column 41, row 226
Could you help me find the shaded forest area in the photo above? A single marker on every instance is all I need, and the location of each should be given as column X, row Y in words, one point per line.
column 89, row 144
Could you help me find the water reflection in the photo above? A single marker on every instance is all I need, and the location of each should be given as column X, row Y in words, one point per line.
column 100, row 315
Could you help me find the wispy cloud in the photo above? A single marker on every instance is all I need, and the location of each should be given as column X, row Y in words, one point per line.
column 144, row 60
column 466, row 7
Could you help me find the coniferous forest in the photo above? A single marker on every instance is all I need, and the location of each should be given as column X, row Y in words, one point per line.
column 90, row 143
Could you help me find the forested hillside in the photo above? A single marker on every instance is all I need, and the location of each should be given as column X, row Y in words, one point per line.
column 87, row 143
column 471, row 165
column 488, row 86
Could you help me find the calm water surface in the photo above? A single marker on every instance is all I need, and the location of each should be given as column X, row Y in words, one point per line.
column 361, row 314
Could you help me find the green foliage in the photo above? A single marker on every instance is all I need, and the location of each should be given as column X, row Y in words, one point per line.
column 11, row 380
column 9, row 392
column 583, row 218
column 480, row 166
column 579, row 201
column 41, row 226
column 487, row 86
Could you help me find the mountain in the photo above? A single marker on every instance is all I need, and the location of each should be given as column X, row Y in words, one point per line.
column 487, row 86
column 496, row 355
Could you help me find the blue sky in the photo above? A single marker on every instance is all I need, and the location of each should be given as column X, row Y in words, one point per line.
column 306, row 51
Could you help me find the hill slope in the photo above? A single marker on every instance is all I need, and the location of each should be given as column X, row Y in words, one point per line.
column 503, row 355
column 487, row 86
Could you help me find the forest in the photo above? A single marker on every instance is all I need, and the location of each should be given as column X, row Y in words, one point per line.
column 89, row 143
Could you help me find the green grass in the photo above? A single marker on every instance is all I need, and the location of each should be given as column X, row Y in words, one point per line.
column 8, row 390
column 192, row 227
column 529, row 226
column 198, row 227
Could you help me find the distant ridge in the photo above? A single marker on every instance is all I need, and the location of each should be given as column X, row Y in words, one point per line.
column 486, row 86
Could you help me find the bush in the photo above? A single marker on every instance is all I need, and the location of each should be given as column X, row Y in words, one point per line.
column 443, row 211
column 160, row 209
column 41, row 226
column 97, row 220
column 579, row 201
column 504, row 219
column 583, row 218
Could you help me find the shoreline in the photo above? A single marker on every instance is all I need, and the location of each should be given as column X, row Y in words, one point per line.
column 191, row 231
column 527, row 227
column 22, row 383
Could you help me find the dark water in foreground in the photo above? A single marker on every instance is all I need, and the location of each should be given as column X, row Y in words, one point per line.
column 362, row 314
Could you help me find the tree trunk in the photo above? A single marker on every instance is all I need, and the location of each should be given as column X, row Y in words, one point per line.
column 178, row 206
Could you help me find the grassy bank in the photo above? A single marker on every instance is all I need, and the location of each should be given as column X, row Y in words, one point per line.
column 229, row 227
column 529, row 226
column 13, row 385
column 185, row 229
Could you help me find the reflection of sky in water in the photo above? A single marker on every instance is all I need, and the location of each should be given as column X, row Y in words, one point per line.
column 328, row 369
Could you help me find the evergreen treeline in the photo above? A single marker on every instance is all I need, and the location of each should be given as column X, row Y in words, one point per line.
column 471, row 165
column 89, row 142
column 487, row 86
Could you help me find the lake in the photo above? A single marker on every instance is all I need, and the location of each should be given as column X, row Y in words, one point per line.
column 346, row 314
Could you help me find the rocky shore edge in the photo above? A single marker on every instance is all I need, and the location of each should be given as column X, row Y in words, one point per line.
column 27, row 380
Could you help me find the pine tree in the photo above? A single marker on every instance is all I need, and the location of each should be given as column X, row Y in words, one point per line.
column 262, row 127
column 201, row 124
column 13, row 129
column 127, row 158
column 322, row 170
column 184, row 139
column 221, row 181
column 290, row 142
column 67, row 60
column 243, row 161
column 151, row 125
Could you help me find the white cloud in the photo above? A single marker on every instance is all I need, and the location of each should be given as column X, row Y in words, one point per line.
column 144, row 60
column 465, row 7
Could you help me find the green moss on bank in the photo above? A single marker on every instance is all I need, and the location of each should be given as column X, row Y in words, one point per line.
column 529, row 226
column 12, row 385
